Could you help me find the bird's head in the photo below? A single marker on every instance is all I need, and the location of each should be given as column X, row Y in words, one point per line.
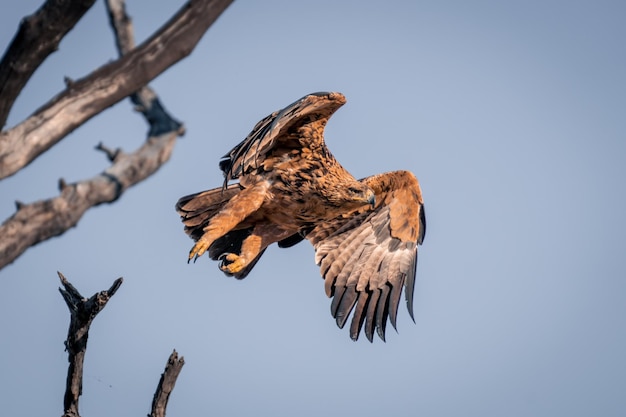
column 362, row 195
column 352, row 196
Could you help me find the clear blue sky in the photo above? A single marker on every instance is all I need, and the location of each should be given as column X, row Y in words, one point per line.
column 511, row 114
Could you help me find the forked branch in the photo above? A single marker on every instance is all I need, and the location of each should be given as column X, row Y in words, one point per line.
column 82, row 312
column 39, row 221
column 109, row 84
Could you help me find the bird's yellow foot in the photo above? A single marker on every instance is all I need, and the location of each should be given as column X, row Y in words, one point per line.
column 198, row 249
column 231, row 263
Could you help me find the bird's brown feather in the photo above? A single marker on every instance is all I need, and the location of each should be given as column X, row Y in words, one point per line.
column 372, row 250
column 290, row 187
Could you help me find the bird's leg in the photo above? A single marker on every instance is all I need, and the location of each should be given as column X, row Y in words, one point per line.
column 232, row 263
column 237, row 209
column 218, row 227
column 263, row 235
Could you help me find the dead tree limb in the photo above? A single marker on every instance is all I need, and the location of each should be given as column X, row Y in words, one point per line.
column 38, row 36
column 82, row 312
column 166, row 385
column 39, row 221
column 36, row 222
column 145, row 99
column 106, row 86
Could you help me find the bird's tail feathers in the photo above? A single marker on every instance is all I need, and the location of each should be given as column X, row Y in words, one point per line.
column 197, row 209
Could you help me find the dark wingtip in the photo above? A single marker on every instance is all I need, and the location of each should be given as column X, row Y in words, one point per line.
column 370, row 318
column 394, row 301
column 411, row 314
column 381, row 324
column 334, row 305
column 359, row 315
column 422, row 232
column 345, row 307
column 381, row 333
column 409, row 287
column 341, row 320
column 382, row 312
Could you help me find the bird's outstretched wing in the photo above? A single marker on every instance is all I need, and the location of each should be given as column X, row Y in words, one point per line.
column 366, row 257
column 250, row 153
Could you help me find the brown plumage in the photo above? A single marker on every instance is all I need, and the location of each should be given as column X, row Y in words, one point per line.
column 289, row 187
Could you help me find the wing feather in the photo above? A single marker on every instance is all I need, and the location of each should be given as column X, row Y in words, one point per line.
column 409, row 285
column 382, row 312
column 370, row 315
column 370, row 255
column 345, row 307
column 250, row 153
column 366, row 255
column 197, row 209
column 394, row 300
column 369, row 274
column 334, row 262
column 354, row 249
column 358, row 317
column 334, row 305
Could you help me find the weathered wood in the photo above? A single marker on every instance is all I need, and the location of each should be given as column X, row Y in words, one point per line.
column 145, row 99
column 107, row 85
column 37, row 37
column 36, row 222
column 166, row 385
column 39, row 221
column 82, row 313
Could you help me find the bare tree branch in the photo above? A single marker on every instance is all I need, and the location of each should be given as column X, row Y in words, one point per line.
column 122, row 26
column 145, row 99
column 41, row 220
column 33, row 223
column 106, row 86
column 166, row 385
column 36, row 222
column 82, row 312
column 38, row 36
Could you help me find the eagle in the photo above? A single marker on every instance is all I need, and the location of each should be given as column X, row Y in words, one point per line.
column 282, row 185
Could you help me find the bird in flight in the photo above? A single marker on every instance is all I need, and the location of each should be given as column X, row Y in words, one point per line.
column 282, row 185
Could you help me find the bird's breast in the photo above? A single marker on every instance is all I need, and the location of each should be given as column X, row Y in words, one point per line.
column 299, row 186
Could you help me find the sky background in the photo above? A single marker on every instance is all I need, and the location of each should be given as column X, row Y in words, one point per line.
column 511, row 114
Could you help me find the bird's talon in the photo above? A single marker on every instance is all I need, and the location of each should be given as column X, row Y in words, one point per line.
column 231, row 263
column 198, row 250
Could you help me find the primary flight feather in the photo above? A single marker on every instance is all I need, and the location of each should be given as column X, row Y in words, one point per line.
column 289, row 187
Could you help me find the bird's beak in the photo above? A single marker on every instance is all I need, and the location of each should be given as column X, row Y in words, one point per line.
column 372, row 199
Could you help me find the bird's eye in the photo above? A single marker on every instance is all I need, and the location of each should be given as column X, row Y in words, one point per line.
column 354, row 190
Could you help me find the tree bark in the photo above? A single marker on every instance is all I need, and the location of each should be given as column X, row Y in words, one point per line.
column 38, row 36
column 145, row 99
column 82, row 312
column 106, row 86
column 39, row 221
column 36, row 222
column 166, row 385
